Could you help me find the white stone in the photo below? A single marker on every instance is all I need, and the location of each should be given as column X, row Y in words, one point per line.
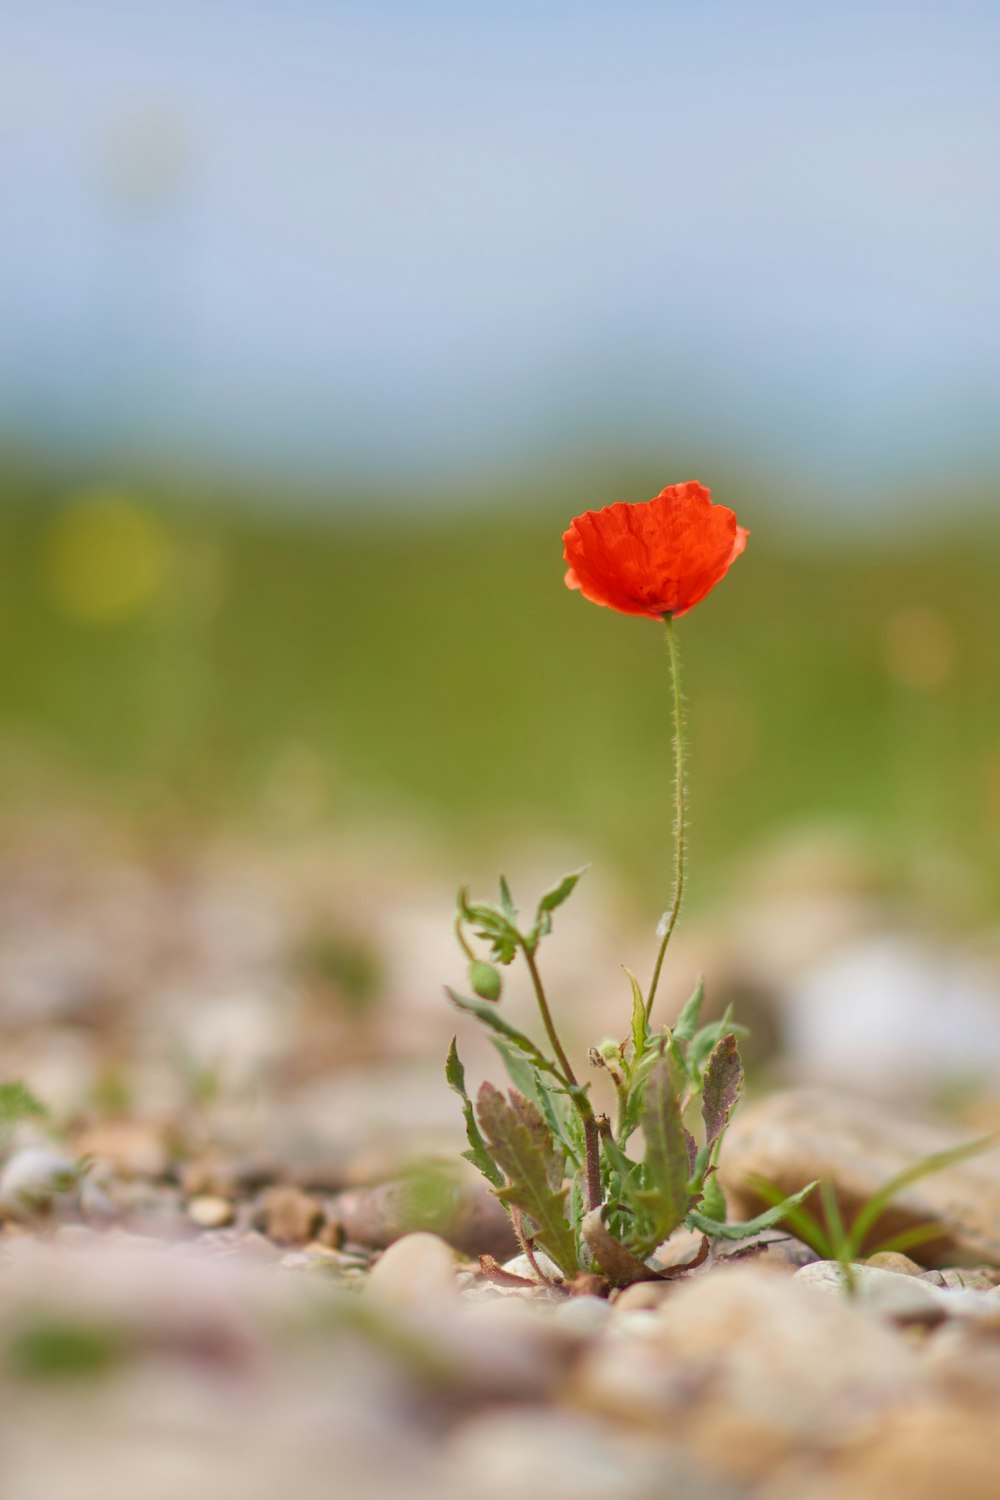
column 32, row 1180
column 584, row 1315
column 210, row 1212
column 521, row 1266
column 416, row 1270
column 894, row 1295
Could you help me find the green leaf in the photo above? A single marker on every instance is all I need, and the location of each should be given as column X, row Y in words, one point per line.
column 721, row 1084
column 910, row 1239
column 454, row 1070
column 527, row 1080
column 626, row 1172
column 547, row 905
column 705, row 1040
column 561, row 892
column 507, row 902
column 491, row 925
column 667, row 1163
column 804, row 1225
column 713, row 1201
column 715, row 1229
column 687, row 1021
column 640, row 1025
column 17, row 1102
column 498, row 1023
column 477, row 1153
column 616, row 1260
column 520, row 1142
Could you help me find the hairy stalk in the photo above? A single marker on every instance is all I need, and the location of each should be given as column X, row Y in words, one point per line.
column 527, row 1245
column 583, row 1106
column 462, row 941
column 680, row 812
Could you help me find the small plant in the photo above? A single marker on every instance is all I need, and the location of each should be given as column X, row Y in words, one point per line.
column 569, row 1177
column 17, row 1103
column 834, row 1239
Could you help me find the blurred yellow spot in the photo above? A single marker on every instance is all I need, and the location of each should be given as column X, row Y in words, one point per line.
column 106, row 559
column 919, row 647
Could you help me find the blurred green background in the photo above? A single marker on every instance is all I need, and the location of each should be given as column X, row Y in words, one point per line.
column 192, row 661
column 321, row 322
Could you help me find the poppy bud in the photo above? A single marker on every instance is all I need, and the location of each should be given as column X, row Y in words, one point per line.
column 485, row 980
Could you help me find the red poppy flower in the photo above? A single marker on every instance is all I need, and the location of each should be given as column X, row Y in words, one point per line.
column 656, row 558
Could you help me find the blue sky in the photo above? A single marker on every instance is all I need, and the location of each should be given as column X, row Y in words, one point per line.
column 406, row 238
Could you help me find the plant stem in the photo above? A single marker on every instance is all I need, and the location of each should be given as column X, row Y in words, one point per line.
column 462, row 942
column 583, row 1106
column 680, row 810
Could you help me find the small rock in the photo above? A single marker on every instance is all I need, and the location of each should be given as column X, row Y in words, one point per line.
column 892, row 1260
column 747, row 1368
column 545, row 1452
column 331, row 1235
column 32, row 1181
column 584, row 1315
column 520, row 1265
column 771, row 1248
column 416, row 1270
column 209, row 1212
column 901, row 1298
column 288, row 1216
column 974, row 1279
column 921, row 1452
column 641, row 1296
column 469, row 1217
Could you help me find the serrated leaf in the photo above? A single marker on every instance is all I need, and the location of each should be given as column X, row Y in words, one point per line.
column 477, row 1153
column 721, row 1084
column 493, row 1018
column 687, row 1021
column 706, row 1039
column 715, row 1229
column 713, row 1201
column 520, row 1142
column 491, row 925
column 667, row 1163
column 616, row 1260
column 526, row 1078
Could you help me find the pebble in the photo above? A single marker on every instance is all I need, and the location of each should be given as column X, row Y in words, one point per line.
column 901, row 1298
column 475, row 1221
column 545, row 1452
column 584, row 1315
column 289, row 1216
column 210, row 1212
column 416, row 1270
column 32, row 1180
column 641, row 1296
column 892, row 1260
column 746, row 1366
column 520, row 1265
